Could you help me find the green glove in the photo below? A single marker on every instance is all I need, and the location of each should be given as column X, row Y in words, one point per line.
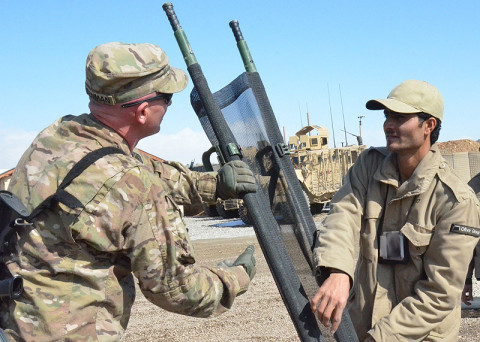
column 247, row 260
column 225, row 263
column 235, row 178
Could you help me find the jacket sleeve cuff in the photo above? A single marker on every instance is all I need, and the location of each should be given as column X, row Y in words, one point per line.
column 323, row 273
column 235, row 279
column 242, row 277
column 379, row 335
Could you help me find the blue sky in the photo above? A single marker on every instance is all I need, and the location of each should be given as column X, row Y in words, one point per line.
column 301, row 49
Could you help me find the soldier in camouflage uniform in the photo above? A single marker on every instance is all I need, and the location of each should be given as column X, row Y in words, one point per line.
column 78, row 264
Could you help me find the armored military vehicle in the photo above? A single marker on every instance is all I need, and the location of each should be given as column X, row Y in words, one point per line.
column 320, row 169
column 235, row 208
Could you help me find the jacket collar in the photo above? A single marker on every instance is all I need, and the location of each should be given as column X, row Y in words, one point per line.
column 421, row 178
column 109, row 136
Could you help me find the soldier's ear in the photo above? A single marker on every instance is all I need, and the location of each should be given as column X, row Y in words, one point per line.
column 430, row 125
column 141, row 113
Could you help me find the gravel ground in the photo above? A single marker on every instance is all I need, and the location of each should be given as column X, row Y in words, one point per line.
column 258, row 315
column 201, row 228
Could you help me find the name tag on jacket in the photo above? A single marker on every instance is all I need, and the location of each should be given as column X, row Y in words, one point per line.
column 458, row 229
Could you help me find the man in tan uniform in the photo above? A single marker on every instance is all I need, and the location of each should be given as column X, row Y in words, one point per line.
column 78, row 262
column 417, row 224
column 467, row 294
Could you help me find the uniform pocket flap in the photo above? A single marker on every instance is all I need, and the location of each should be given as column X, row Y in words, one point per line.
column 417, row 235
column 373, row 210
column 166, row 171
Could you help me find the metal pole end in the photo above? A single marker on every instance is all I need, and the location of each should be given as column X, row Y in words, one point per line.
column 167, row 5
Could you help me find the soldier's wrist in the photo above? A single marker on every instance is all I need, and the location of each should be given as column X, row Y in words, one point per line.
column 334, row 270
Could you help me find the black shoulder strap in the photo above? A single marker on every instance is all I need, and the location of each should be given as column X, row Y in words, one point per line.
column 64, row 197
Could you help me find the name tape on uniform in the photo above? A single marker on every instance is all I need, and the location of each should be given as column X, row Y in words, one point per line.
column 456, row 228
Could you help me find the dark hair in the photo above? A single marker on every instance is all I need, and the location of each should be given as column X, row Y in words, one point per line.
column 422, row 117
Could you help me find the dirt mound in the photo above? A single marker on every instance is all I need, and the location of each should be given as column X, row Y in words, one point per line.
column 464, row 145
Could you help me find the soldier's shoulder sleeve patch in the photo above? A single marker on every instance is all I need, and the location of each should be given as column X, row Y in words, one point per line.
column 466, row 230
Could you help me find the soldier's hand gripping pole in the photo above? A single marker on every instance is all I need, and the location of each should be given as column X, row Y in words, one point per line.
column 266, row 227
column 346, row 331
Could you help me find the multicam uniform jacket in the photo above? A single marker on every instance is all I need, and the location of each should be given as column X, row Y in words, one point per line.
column 184, row 186
column 419, row 300
column 77, row 265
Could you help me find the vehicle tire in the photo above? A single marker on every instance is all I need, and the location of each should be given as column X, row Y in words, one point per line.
column 285, row 212
column 210, row 210
column 286, row 216
column 244, row 216
column 226, row 214
column 306, row 197
column 316, row 208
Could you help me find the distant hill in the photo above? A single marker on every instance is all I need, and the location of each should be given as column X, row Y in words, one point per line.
column 464, row 145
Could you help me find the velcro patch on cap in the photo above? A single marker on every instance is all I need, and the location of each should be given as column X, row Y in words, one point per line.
column 466, row 230
column 106, row 99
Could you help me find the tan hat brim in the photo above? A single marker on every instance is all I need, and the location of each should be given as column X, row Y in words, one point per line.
column 393, row 105
column 177, row 81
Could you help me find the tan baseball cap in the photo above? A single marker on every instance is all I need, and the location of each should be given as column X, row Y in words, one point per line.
column 411, row 97
column 120, row 72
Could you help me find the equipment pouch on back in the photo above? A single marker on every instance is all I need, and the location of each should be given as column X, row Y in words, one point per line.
column 393, row 248
column 12, row 214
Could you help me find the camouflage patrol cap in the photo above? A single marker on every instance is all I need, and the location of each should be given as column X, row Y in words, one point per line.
column 411, row 97
column 119, row 72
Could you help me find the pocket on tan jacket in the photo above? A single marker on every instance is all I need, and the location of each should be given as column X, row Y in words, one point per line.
column 418, row 236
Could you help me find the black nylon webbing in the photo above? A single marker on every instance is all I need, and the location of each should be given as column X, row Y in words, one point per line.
column 64, row 197
column 85, row 162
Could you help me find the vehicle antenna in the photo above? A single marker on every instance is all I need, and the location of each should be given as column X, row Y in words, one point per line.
column 331, row 117
column 300, row 113
column 343, row 114
column 308, row 118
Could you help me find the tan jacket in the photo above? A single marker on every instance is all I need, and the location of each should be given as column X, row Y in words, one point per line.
column 421, row 299
column 474, row 183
